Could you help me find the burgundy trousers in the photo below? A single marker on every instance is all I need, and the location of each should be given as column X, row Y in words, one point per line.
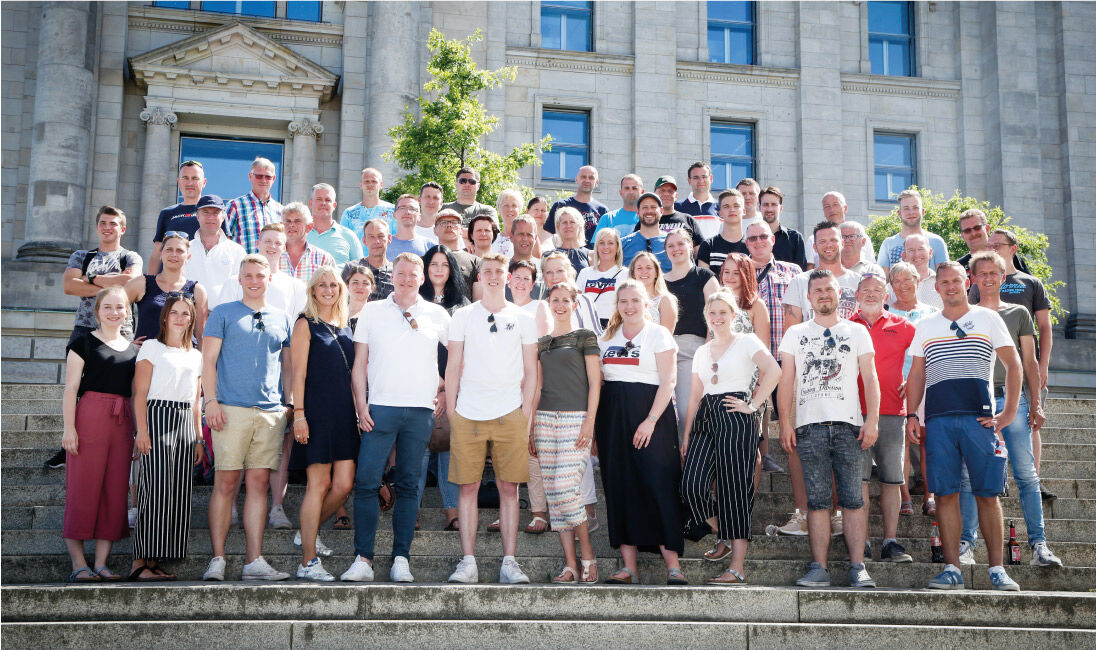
column 97, row 477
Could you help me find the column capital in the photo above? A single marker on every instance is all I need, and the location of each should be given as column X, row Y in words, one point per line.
column 305, row 128
column 159, row 116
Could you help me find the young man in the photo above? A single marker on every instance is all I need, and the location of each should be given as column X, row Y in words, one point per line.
column 647, row 237
column 730, row 239
column 181, row 217
column 376, row 240
column 431, row 197
column 974, row 229
column 751, row 197
column 953, row 354
column 911, row 211
column 214, row 257
column 788, row 246
column 700, row 203
column 835, row 209
column 466, row 206
column 407, row 239
column 247, row 382
column 108, row 265
column 246, row 215
column 820, row 361
column 338, row 240
column 371, row 206
column 670, row 219
column 300, row 258
column 625, row 217
column 490, row 386
column 582, row 200
column 448, row 229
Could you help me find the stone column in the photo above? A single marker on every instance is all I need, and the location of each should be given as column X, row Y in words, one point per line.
column 304, row 133
column 393, row 76
column 61, row 140
column 158, row 186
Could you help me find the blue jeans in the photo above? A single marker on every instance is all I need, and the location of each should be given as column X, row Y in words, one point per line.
column 439, row 462
column 408, row 429
column 1018, row 442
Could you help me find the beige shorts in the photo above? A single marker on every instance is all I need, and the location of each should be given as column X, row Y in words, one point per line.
column 507, row 438
column 250, row 439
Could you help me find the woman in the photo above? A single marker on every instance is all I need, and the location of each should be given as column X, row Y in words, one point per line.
column 571, row 238
column 483, row 230
column 537, row 208
column 166, row 401
column 509, row 207
column 557, row 268
column 569, row 387
column 637, row 437
column 360, row 284
column 599, row 280
column 721, row 440
column 98, row 436
column 737, row 275
column 150, row 292
column 325, row 427
column 662, row 308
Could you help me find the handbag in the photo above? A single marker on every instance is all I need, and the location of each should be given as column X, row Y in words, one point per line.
column 439, row 437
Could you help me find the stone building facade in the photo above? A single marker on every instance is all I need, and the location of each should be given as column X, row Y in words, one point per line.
column 96, row 97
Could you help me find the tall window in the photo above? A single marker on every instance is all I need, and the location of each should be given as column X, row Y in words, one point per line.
column 890, row 38
column 731, row 32
column 570, row 131
column 895, row 164
column 732, row 153
column 309, row 10
column 566, row 25
column 226, row 163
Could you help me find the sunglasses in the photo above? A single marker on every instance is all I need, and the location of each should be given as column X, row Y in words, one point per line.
column 262, row 177
column 494, row 325
column 649, row 246
column 467, row 181
column 410, row 321
column 830, row 342
column 959, row 333
column 191, row 163
column 715, row 373
column 972, row 229
column 757, row 238
column 629, row 346
column 257, row 318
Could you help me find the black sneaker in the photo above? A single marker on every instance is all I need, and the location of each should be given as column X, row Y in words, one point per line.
column 56, row 461
column 1047, row 494
column 894, row 552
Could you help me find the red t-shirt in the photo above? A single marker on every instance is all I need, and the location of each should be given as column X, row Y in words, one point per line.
column 890, row 335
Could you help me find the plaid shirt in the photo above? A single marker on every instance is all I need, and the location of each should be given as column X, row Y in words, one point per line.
column 246, row 216
column 771, row 288
column 312, row 258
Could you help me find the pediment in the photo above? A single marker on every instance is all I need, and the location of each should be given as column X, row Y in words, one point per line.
column 233, row 56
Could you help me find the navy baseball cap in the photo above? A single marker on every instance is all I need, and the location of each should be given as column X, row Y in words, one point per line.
column 210, row 200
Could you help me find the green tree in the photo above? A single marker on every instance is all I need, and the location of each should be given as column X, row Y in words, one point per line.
column 942, row 218
column 447, row 133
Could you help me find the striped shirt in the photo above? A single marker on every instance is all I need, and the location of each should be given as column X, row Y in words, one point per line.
column 772, row 281
column 246, row 216
column 311, row 259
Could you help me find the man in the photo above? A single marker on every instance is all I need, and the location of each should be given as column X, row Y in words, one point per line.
column 490, row 382
column 523, row 236
column 339, row 241
column 670, row 219
column 431, row 197
column 300, row 258
column 835, row 209
column 376, row 240
column 953, row 354
column 396, row 390
column 583, row 200
column 247, row 214
column 648, row 237
column 974, row 229
column 853, row 237
column 371, row 206
column 827, row 244
column 407, row 239
column 214, row 258
column 751, row 194
column 181, row 217
column 789, row 243
column 891, row 336
column 730, row 239
column 700, row 203
column 248, row 387
column 989, row 270
column 911, row 211
column 468, row 183
column 625, row 217
column 917, row 252
column 285, row 293
column 820, row 361
column 448, row 229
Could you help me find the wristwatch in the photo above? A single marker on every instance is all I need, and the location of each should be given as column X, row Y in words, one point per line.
column 912, row 415
column 91, row 278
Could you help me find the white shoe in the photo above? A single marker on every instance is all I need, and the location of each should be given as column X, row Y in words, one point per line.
column 260, row 570
column 216, row 570
column 277, row 518
column 466, row 572
column 400, row 572
column 796, row 526
column 511, row 574
column 314, row 571
column 360, row 571
column 837, row 525
column 321, row 548
column 1043, row 556
column 966, row 553
column 132, row 514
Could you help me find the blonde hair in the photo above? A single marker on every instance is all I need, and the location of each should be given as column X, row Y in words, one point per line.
column 256, row 259
column 905, row 267
column 658, row 283
column 616, row 320
column 340, row 310
column 579, row 222
column 562, row 257
column 681, row 232
column 725, row 296
column 102, row 295
column 610, row 232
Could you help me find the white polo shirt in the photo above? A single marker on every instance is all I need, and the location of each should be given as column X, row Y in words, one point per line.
column 490, row 383
column 213, row 268
column 403, row 361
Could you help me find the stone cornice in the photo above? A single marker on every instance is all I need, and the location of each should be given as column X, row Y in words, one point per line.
column 591, row 62
column 874, row 84
column 187, row 21
column 751, row 75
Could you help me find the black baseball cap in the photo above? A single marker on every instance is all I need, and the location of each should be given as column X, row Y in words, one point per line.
column 649, row 195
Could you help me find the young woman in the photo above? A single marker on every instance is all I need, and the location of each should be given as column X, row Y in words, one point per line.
column 569, row 387
column 483, row 230
column 571, row 238
column 98, row 436
column 166, row 401
column 523, row 277
column 637, row 437
column 359, row 285
column 721, row 439
column 325, row 425
column 556, row 269
column 662, row 308
column 599, row 281
column 150, row 292
column 737, row 275
column 509, row 207
column 537, row 208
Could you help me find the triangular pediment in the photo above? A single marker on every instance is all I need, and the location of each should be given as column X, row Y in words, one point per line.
column 233, row 56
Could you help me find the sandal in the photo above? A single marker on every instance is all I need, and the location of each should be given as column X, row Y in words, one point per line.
column 906, row 509
column 928, row 508
column 494, row 526
column 676, row 577
column 589, row 571
column 714, row 554
column 136, row 575
column 538, row 526
column 155, row 566
column 384, row 495
column 453, row 524
column 90, row 577
column 623, row 576
column 341, row 523
column 728, row 577
column 568, row 576
column 112, row 577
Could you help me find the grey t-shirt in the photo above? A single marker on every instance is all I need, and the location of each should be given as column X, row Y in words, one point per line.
column 103, row 263
column 1018, row 322
column 565, row 385
column 466, row 212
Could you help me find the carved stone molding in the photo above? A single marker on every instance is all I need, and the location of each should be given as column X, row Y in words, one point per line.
column 738, row 74
column 574, row 61
column 305, row 128
column 866, row 84
column 159, row 117
column 187, row 21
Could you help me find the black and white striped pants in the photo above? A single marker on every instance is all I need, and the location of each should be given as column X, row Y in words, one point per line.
column 164, row 482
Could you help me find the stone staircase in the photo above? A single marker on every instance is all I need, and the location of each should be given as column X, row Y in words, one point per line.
column 1054, row 609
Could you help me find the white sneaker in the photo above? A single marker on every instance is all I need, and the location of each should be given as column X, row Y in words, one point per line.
column 314, row 571
column 260, row 570
column 132, row 515
column 1043, row 556
column 796, row 526
column 837, row 525
column 966, row 553
column 216, row 570
column 321, row 548
column 360, row 571
column 510, row 573
column 277, row 518
column 401, row 571
column 466, row 572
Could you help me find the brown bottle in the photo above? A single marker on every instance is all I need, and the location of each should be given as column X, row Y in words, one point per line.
column 1012, row 548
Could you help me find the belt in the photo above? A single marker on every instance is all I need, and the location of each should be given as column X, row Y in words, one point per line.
column 829, row 423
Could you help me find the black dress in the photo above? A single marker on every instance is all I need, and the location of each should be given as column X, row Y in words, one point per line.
column 328, row 401
column 152, row 303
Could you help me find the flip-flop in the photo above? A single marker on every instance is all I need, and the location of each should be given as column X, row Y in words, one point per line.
column 454, row 524
column 135, row 576
column 155, row 566
column 341, row 523
column 631, row 578
column 534, row 531
column 90, row 577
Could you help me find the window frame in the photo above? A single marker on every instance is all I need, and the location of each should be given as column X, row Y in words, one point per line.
column 281, row 166
column 729, row 25
column 564, row 11
column 715, row 158
column 562, row 147
column 886, row 38
column 281, row 10
column 876, row 167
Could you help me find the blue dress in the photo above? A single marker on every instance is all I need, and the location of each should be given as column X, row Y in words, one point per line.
column 328, row 402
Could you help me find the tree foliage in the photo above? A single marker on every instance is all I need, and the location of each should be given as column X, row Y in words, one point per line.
column 451, row 123
column 942, row 218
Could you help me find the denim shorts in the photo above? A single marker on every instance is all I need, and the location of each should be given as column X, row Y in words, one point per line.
column 950, row 441
column 830, row 453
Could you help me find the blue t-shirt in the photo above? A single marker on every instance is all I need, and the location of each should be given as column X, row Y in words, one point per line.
column 418, row 246
column 622, row 220
column 635, row 243
column 356, row 215
column 249, row 368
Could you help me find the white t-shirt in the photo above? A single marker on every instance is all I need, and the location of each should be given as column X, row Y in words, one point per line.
column 502, row 244
column 796, row 294
column 736, row 366
column 601, row 286
column 403, row 361
column 427, row 233
column 175, row 371
column 826, row 368
column 490, row 382
column 285, row 293
column 867, row 251
column 624, row 360
column 215, row 268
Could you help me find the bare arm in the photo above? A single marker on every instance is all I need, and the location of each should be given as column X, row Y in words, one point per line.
column 287, row 378
column 300, row 342
column 768, row 375
column 154, row 258
column 544, row 320
column 696, row 392
column 74, row 370
column 593, row 398
column 452, row 375
column 530, row 385
column 792, row 316
column 201, row 308
column 135, row 289
column 359, row 381
column 76, row 284
column 1013, row 368
column 870, row 431
column 1046, row 342
column 118, row 279
column 1034, row 381
column 710, row 287
column 142, row 378
column 211, row 350
column 915, row 392
column 196, row 409
column 784, row 399
column 759, row 316
column 667, row 311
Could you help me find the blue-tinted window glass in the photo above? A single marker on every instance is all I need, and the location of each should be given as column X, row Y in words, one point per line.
column 732, row 153
column 304, row 10
column 570, row 133
column 261, row 8
column 895, row 165
column 731, row 32
column 227, row 162
column 172, row 4
column 566, row 25
column 890, row 38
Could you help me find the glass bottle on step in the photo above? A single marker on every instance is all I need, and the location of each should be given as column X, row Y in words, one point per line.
column 934, row 541
column 1012, row 548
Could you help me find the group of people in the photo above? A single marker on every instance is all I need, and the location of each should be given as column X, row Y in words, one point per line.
column 544, row 341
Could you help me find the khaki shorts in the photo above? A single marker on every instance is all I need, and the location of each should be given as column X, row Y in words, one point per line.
column 250, row 439
column 507, row 438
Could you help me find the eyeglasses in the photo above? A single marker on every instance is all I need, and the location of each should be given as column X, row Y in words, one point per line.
column 467, row 181
column 757, row 238
column 409, row 207
column 262, row 177
column 959, row 333
column 853, row 236
column 494, row 325
column 715, row 373
column 191, row 163
column 257, row 318
column 999, row 246
column 448, row 224
column 967, row 231
column 410, row 321
column 830, row 342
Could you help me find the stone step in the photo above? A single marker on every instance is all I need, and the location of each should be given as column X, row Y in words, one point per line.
column 1069, row 405
column 30, row 391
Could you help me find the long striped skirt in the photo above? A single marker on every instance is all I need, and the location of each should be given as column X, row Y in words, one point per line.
column 164, row 482
column 561, row 465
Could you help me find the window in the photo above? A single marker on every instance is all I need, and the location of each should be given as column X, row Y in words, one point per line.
column 263, row 9
column 895, row 169
column 226, row 163
column 172, row 4
column 570, row 131
column 890, row 38
column 566, row 25
column 301, row 10
column 732, row 153
column 731, row 32
column 307, row 10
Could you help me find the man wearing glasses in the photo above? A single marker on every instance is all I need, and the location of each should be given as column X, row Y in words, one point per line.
column 853, row 237
column 407, row 239
column 974, row 229
column 468, row 184
column 447, row 226
column 248, row 214
column 183, row 216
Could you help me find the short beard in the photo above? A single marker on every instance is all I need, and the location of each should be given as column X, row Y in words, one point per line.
column 825, row 310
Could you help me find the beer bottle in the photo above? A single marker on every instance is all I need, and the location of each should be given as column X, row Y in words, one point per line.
column 1012, row 547
column 937, row 549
